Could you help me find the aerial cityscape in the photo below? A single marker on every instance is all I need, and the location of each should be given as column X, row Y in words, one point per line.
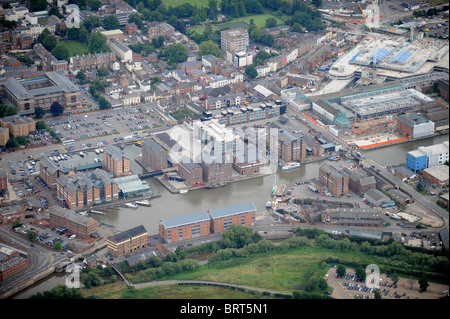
column 224, row 149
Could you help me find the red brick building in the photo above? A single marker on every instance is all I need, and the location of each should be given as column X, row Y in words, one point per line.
column 127, row 241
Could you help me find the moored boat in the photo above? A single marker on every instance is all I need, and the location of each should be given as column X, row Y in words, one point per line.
column 131, row 205
column 144, row 202
column 289, row 166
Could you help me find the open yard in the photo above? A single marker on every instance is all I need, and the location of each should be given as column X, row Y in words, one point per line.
column 75, row 47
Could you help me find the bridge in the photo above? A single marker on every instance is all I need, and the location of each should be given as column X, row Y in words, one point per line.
column 151, row 174
column 122, row 275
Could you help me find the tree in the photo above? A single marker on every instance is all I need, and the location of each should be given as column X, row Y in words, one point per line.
column 39, row 112
column 271, row 22
column 38, row 5
column 322, row 284
column 94, row 4
column 31, row 235
column 93, row 21
column 111, row 22
column 176, row 53
column 57, row 246
column 97, row 43
column 91, row 280
column 79, row 34
column 56, row 109
column 340, row 271
column 251, row 72
column 360, row 273
column 60, row 52
column 81, row 76
column 59, row 292
column 7, row 110
column 268, row 40
column 317, row 3
column 238, row 236
column 47, row 40
column 256, row 34
column 423, row 283
column 102, row 71
column 209, row 47
column 296, row 27
column 103, row 103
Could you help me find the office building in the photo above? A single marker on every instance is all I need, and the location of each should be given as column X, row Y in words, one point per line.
column 241, row 214
column 427, row 156
column 17, row 125
column 127, row 242
column 26, row 94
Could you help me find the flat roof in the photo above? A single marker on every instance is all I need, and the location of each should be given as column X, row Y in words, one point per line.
column 185, row 220
column 232, row 210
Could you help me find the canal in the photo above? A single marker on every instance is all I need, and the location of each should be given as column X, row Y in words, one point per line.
column 257, row 190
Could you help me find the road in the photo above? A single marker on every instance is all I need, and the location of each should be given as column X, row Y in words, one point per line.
column 40, row 259
column 423, row 199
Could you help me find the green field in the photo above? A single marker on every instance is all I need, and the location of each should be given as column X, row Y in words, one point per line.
column 244, row 22
column 75, row 47
column 174, row 3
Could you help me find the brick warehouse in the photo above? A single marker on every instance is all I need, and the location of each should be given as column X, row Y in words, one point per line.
column 333, row 180
column 204, row 223
column 79, row 225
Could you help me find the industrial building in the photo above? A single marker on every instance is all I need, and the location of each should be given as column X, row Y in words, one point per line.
column 437, row 175
column 427, row 156
column 362, row 217
column 382, row 101
column 415, row 126
column 377, row 198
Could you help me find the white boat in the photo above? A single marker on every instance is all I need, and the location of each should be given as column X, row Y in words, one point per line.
column 289, row 166
column 131, row 205
column 143, row 202
column 183, row 191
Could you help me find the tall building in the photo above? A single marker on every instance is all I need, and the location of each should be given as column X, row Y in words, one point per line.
column 291, row 147
column 185, row 227
column 333, row 180
column 154, row 155
column 115, row 161
column 49, row 172
column 235, row 40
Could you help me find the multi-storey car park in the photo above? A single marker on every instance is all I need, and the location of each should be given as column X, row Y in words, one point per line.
column 395, row 58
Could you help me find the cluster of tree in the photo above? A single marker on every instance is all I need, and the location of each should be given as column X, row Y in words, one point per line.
column 176, row 53
column 426, row 13
column 209, row 47
column 95, row 88
column 58, row 292
column 168, row 268
column 208, row 34
column 148, row 48
column 240, row 8
column 7, row 110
